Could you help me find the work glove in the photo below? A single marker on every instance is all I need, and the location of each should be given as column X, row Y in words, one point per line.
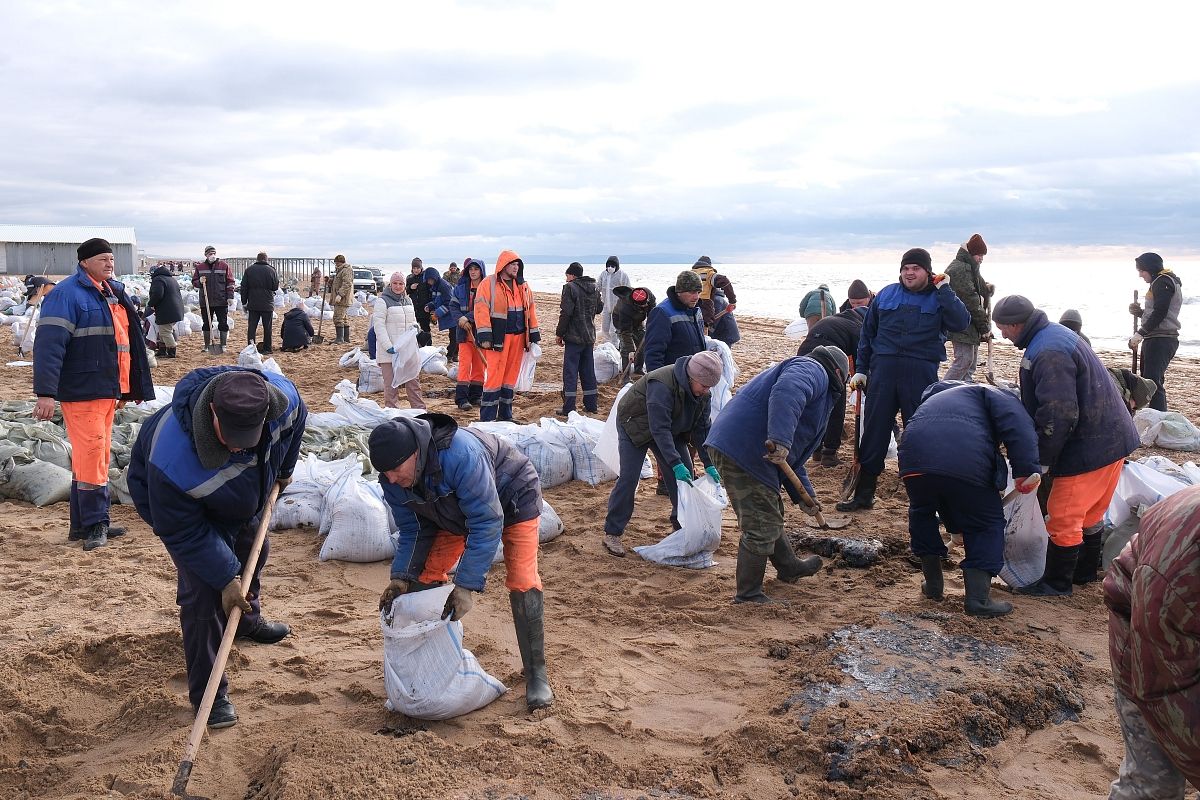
column 458, row 604
column 777, row 454
column 1029, row 483
column 858, row 381
column 939, row 279
column 1135, row 309
column 1135, row 341
column 395, row 588
column 233, row 595
column 283, row 482
column 712, row 473
column 682, row 474
column 391, row 351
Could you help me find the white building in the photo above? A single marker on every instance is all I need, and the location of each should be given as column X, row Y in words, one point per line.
column 50, row 249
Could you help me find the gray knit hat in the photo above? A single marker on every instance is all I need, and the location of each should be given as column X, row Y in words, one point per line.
column 705, row 368
column 688, row 281
column 1012, row 310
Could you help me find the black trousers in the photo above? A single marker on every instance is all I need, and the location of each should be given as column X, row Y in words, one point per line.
column 252, row 327
column 222, row 314
column 1157, row 352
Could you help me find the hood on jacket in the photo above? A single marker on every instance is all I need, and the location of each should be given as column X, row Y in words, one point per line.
column 612, row 261
column 195, row 389
column 431, row 274
column 161, row 271
column 465, row 278
column 508, row 256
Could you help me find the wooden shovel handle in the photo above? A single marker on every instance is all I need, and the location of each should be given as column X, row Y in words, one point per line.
column 794, row 479
column 179, row 787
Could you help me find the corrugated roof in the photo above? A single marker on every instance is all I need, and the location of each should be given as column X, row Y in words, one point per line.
column 69, row 234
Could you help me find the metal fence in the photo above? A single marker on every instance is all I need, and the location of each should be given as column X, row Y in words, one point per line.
column 294, row 273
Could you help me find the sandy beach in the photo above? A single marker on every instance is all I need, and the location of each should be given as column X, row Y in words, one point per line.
column 858, row 688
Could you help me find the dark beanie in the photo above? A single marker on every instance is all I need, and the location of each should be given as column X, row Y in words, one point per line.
column 703, row 262
column 918, row 256
column 1012, row 310
column 391, row 444
column 416, row 262
column 575, row 269
column 95, row 247
column 858, row 290
column 1151, row 262
column 976, row 246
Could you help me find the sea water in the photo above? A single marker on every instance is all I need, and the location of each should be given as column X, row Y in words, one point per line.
column 1100, row 290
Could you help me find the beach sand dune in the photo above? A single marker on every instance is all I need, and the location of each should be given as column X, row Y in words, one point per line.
column 856, row 689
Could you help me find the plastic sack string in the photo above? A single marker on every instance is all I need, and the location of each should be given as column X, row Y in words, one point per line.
column 427, row 672
column 699, row 536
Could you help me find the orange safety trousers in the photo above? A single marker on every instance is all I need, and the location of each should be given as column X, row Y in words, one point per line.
column 471, row 366
column 520, row 556
column 499, row 385
column 89, row 429
column 1079, row 501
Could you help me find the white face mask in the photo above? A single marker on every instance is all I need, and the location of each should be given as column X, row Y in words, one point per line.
column 211, row 259
column 611, row 267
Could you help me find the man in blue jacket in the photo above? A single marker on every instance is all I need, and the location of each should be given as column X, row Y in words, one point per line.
column 1084, row 433
column 90, row 356
column 778, row 418
column 900, row 347
column 199, row 474
column 961, row 484
column 441, row 296
column 455, row 495
column 675, row 327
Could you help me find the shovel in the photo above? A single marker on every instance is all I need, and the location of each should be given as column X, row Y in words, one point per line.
column 851, row 482
column 991, row 374
column 179, row 787
column 319, row 339
column 1135, row 327
column 822, row 523
column 210, row 348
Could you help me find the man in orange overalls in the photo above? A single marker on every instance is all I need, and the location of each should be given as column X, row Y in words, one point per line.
column 505, row 325
column 90, row 356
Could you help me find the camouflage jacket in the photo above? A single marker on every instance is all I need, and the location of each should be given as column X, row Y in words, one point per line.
column 1153, row 629
column 976, row 295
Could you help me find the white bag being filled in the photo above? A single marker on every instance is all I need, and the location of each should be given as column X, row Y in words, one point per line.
column 1025, row 541
column 693, row 545
column 528, row 368
column 427, row 672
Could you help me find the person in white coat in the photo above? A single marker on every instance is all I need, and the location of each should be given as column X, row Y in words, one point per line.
column 612, row 277
column 393, row 315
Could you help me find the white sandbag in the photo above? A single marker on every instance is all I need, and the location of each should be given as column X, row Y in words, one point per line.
column 719, row 397
column 699, row 536
column 297, row 511
column 23, row 477
column 47, row 446
column 528, row 368
column 607, row 448
column 1168, row 429
column 729, row 368
column 357, row 523
column 370, row 377
column 607, row 359
column 1139, row 486
column 433, row 360
column 427, row 672
column 797, row 329
column 351, row 358
column 194, row 321
column 586, row 465
column 452, row 372
column 406, row 363
column 550, row 458
column 1168, row 467
column 503, row 428
column 271, row 365
column 550, row 527
column 1025, row 541
column 250, row 358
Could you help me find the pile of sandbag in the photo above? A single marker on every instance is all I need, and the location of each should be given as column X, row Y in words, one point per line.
column 355, row 521
column 25, row 478
column 1167, row 429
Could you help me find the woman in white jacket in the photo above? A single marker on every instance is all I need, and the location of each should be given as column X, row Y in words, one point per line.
column 393, row 315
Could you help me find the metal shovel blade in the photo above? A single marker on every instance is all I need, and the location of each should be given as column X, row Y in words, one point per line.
column 831, row 523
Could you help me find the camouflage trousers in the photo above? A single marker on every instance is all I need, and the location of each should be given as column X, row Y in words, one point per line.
column 759, row 508
column 1146, row 773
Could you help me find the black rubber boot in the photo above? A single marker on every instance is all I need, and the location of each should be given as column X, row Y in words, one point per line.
column 207, row 339
column 346, row 334
column 1086, row 568
column 751, row 568
column 224, row 340
column 864, row 494
column 172, row 352
column 1060, row 568
column 829, row 458
column 527, row 611
column 933, row 587
column 788, row 566
column 978, row 602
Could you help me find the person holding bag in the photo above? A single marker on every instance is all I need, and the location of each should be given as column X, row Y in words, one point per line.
column 392, row 316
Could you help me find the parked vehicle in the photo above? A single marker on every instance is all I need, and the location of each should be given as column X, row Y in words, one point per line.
column 364, row 280
column 379, row 281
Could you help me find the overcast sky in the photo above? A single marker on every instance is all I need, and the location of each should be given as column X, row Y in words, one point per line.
column 744, row 130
